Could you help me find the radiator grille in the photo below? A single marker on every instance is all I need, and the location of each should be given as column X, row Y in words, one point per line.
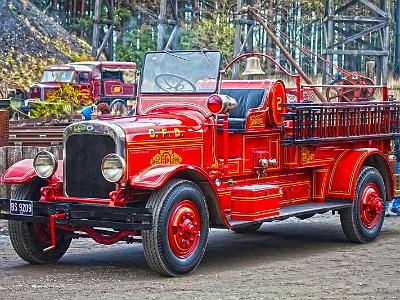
column 82, row 169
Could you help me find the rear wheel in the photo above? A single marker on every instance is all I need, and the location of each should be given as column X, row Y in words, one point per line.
column 177, row 241
column 30, row 239
column 362, row 222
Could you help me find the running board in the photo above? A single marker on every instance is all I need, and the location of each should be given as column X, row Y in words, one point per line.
column 296, row 210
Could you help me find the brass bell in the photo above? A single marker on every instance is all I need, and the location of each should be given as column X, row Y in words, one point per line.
column 253, row 67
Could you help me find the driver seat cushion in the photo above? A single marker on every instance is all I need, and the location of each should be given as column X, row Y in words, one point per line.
column 246, row 99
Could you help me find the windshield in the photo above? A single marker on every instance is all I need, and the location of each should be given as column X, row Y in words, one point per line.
column 181, row 72
column 126, row 76
column 57, row 76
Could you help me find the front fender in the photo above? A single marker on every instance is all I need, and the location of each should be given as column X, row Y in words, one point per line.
column 156, row 176
column 345, row 172
column 23, row 171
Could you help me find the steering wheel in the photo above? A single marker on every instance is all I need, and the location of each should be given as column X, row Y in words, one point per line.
column 174, row 83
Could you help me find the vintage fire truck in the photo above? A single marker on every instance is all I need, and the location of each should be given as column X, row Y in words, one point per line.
column 204, row 152
column 96, row 81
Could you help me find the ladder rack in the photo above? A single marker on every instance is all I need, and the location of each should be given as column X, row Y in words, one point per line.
column 314, row 123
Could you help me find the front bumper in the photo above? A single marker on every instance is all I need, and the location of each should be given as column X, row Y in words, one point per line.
column 83, row 215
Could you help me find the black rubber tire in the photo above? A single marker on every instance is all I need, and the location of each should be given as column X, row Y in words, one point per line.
column 22, row 234
column 350, row 218
column 156, row 246
column 249, row 228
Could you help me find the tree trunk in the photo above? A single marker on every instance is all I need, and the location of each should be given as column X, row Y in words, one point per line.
column 196, row 14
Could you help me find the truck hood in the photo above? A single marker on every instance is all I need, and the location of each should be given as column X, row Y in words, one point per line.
column 157, row 127
column 47, row 85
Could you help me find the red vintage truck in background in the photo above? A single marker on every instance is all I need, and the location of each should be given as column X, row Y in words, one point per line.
column 204, row 152
column 96, row 81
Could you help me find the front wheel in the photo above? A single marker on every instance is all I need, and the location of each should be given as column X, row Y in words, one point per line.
column 177, row 241
column 30, row 239
column 362, row 222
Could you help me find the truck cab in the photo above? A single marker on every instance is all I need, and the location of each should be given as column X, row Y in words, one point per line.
column 96, row 81
column 205, row 152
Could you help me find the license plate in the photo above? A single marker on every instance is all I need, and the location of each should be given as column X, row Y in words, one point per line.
column 21, row 207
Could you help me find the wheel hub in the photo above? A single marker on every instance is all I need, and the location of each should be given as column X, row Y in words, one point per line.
column 42, row 233
column 184, row 229
column 372, row 205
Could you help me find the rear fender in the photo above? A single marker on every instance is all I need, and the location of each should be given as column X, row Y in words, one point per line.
column 23, row 171
column 345, row 172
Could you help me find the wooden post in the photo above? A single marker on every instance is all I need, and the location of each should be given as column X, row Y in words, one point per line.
column 82, row 8
column 110, row 44
column 173, row 38
column 250, row 21
column 14, row 154
column 96, row 32
column 237, row 42
column 270, row 17
column 397, row 51
column 3, row 168
column 385, row 6
column 161, row 25
column 330, row 7
column 196, row 14
column 74, row 9
column 107, row 43
column 4, row 127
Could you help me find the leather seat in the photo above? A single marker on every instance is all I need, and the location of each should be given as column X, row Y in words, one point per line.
column 246, row 99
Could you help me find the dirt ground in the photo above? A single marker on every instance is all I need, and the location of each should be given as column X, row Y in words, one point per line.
column 303, row 260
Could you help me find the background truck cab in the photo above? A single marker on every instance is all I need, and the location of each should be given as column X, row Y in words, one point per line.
column 96, row 81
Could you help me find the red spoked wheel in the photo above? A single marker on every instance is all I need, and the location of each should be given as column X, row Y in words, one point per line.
column 338, row 93
column 362, row 222
column 177, row 240
column 371, row 206
column 184, row 229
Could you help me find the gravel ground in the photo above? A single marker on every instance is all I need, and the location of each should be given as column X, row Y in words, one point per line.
column 307, row 260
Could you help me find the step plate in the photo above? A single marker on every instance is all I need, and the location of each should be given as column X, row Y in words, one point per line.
column 297, row 210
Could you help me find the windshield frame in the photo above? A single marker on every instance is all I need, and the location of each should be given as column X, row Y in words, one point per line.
column 176, row 52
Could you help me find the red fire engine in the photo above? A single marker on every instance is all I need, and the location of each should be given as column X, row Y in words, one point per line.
column 204, row 152
column 96, row 81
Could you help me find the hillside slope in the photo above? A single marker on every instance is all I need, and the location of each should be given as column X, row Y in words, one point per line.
column 30, row 41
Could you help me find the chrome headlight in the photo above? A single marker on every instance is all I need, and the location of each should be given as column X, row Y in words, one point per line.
column 45, row 164
column 113, row 167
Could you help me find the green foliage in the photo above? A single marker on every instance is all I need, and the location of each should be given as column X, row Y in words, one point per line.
column 82, row 25
column 215, row 32
column 136, row 44
column 122, row 15
column 60, row 104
